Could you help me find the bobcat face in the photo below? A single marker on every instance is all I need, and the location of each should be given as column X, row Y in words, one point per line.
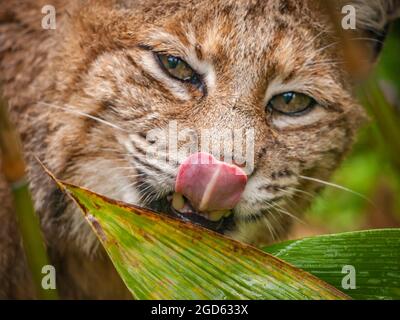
column 119, row 72
column 268, row 66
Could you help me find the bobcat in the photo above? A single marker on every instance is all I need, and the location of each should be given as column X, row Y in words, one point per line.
column 85, row 95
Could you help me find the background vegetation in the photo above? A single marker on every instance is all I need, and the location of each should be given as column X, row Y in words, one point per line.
column 369, row 169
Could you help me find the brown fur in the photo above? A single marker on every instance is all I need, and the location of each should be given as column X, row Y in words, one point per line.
column 95, row 62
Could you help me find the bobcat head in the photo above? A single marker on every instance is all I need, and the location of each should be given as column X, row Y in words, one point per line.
column 117, row 72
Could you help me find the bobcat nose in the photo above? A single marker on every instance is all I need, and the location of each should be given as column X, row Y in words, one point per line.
column 209, row 184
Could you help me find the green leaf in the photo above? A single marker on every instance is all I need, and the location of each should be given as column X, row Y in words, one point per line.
column 374, row 254
column 159, row 257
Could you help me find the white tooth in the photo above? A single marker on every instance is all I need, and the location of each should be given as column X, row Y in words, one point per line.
column 177, row 201
column 216, row 215
column 228, row 214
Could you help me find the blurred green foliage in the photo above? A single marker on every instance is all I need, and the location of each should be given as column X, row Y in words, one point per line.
column 368, row 169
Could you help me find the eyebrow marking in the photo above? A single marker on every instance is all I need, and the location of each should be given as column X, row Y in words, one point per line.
column 161, row 40
column 199, row 52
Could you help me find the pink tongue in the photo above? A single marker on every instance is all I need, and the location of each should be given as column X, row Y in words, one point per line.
column 210, row 184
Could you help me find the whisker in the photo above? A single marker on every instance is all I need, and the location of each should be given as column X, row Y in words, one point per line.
column 289, row 196
column 334, row 185
column 367, row 39
column 326, row 47
column 309, row 194
column 278, row 223
column 83, row 114
column 149, row 197
column 270, row 228
column 317, row 36
column 144, row 193
column 320, row 64
column 278, row 207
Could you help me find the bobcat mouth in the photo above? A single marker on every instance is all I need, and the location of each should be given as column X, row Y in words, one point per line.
column 206, row 191
column 179, row 207
column 182, row 206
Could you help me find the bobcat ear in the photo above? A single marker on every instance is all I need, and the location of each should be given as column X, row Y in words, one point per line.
column 373, row 20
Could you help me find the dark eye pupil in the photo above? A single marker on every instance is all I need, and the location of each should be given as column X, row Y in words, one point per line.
column 288, row 97
column 173, row 62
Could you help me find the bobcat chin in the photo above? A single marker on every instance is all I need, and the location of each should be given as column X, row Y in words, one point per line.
column 86, row 95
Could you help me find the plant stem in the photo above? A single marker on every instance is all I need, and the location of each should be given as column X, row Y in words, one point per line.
column 13, row 167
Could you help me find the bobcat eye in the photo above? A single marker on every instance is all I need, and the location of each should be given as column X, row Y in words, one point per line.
column 178, row 69
column 291, row 103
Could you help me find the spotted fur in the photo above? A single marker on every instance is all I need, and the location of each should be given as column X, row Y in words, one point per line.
column 99, row 62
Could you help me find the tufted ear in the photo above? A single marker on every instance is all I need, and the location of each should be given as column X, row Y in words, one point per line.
column 373, row 19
